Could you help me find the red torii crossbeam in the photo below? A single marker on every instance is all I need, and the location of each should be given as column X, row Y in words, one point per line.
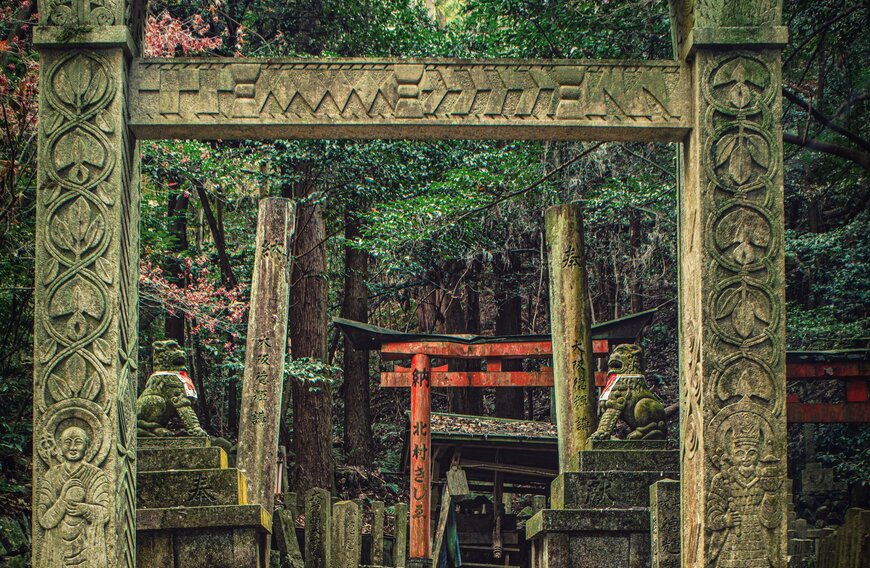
column 421, row 377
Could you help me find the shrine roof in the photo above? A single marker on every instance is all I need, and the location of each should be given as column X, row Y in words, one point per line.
column 367, row 337
column 833, row 356
column 445, row 425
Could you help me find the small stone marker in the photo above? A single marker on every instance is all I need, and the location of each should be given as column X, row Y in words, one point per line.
column 664, row 513
column 284, row 535
column 263, row 383
column 570, row 322
column 400, row 548
column 377, row 534
column 318, row 533
column 346, row 535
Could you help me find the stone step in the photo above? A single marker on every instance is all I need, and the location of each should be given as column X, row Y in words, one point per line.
column 596, row 521
column 174, row 443
column 212, row 516
column 192, row 458
column 615, row 444
column 629, row 460
column 191, row 488
column 615, row 490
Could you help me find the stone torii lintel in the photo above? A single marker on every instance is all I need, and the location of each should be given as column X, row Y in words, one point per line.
column 233, row 98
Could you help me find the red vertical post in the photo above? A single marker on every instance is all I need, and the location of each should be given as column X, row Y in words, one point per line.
column 421, row 446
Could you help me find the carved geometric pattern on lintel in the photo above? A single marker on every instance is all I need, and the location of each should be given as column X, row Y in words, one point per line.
column 238, row 98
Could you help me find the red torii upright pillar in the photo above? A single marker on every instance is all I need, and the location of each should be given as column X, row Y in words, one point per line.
column 421, row 377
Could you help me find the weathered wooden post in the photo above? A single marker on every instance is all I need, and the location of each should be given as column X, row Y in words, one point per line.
column 263, row 384
column 318, row 529
column 421, row 382
column 570, row 322
column 731, row 286
column 85, row 285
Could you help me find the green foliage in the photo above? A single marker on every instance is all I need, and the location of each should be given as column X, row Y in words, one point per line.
column 313, row 372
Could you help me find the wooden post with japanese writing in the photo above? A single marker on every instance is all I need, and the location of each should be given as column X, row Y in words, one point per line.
column 266, row 347
column 570, row 321
column 421, row 382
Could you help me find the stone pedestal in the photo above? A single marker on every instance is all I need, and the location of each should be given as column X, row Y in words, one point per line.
column 601, row 514
column 193, row 512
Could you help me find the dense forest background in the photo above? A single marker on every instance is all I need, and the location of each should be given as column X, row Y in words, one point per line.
column 433, row 236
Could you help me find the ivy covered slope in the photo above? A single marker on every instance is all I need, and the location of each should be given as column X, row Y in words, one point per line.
column 430, row 236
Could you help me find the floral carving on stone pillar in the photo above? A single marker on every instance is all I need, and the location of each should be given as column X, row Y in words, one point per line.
column 743, row 402
column 85, row 325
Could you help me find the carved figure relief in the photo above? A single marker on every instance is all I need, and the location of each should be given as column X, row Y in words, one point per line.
column 627, row 396
column 744, row 401
column 75, row 373
column 745, row 507
column 73, row 504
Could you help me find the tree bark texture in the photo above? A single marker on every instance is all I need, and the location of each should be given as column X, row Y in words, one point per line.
column 312, row 402
column 357, row 408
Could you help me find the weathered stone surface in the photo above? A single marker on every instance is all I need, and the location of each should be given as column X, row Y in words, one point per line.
column 318, row 529
column 85, row 331
column 377, row 556
column 191, row 488
column 212, row 516
column 571, row 324
column 291, row 98
column 207, row 548
column 627, row 397
column 732, row 319
column 628, row 445
column 179, row 443
column 665, row 523
column 346, row 535
column 568, row 521
column 263, row 385
column 284, row 537
column 193, row 458
column 594, row 490
column 629, row 460
column 169, row 394
column 400, row 548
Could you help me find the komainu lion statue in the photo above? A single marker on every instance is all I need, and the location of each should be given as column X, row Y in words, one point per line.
column 627, row 396
column 168, row 394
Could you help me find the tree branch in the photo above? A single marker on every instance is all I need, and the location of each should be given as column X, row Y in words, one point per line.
column 860, row 158
column 824, row 119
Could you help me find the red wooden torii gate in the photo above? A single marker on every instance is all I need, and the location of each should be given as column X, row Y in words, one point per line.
column 851, row 367
column 421, row 376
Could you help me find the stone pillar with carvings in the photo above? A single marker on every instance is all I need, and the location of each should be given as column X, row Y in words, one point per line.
column 87, row 242
column 732, row 296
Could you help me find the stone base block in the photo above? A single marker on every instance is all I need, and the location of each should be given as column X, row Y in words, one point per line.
column 609, row 490
column 203, row 537
column 615, row 444
column 590, row 539
column 629, row 460
column 194, row 458
column 209, row 548
column 174, row 443
column 191, row 488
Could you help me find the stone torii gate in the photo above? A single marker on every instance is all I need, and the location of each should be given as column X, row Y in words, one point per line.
column 719, row 98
